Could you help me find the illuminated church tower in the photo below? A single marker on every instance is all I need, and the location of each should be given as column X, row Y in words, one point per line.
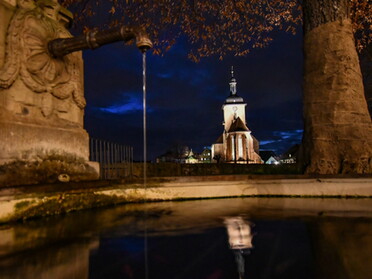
column 236, row 144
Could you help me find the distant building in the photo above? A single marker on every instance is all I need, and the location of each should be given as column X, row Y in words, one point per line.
column 176, row 154
column 185, row 155
column 236, row 144
column 205, row 156
column 168, row 157
column 290, row 156
column 269, row 157
column 191, row 158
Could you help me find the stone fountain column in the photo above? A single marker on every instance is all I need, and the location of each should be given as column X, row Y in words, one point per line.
column 42, row 138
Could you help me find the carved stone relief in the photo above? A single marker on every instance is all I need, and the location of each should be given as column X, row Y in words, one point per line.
column 33, row 25
column 41, row 98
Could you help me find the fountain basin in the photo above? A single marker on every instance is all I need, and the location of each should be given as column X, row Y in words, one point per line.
column 18, row 203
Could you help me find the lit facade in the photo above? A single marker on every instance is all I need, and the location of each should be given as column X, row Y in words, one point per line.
column 205, row 156
column 236, row 144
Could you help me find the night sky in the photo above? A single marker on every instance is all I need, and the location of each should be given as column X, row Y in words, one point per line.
column 184, row 98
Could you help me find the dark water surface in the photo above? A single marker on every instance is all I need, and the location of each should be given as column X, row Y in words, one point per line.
column 211, row 239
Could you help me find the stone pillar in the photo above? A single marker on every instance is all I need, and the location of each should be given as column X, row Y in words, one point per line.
column 338, row 127
column 41, row 98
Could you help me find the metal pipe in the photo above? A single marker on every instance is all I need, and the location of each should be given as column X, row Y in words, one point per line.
column 91, row 149
column 94, row 39
column 131, row 160
column 100, row 153
column 95, row 150
column 106, row 159
column 121, row 153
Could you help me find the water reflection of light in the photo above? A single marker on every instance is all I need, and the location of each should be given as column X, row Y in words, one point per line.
column 240, row 240
column 239, row 232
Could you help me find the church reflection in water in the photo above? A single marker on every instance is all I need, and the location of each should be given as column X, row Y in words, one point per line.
column 240, row 240
column 211, row 239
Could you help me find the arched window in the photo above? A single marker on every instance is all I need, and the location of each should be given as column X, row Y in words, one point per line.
column 232, row 148
column 240, row 147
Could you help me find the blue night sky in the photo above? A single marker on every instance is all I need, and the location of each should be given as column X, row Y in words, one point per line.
column 184, row 98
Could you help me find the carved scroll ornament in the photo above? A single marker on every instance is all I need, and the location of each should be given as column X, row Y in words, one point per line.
column 31, row 28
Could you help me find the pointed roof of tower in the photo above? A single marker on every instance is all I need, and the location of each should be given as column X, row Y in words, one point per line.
column 232, row 75
column 233, row 98
column 238, row 126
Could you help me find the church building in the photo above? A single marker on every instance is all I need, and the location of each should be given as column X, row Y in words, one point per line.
column 236, row 144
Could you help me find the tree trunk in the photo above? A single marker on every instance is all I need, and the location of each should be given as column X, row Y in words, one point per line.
column 338, row 128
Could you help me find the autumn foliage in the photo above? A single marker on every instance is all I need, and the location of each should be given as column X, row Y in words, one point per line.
column 213, row 27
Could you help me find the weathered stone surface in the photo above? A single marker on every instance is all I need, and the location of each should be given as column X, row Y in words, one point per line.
column 44, row 200
column 30, row 77
column 6, row 11
column 47, row 168
column 175, row 169
column 25, row 140
column 338, row 129
column 41, row 97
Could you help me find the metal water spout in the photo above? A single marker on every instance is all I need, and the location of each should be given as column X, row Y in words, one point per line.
column 94, row 39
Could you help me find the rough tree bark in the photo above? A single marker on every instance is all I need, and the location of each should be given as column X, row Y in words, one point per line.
column 338, row 129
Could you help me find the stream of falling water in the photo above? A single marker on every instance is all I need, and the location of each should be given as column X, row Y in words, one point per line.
column 144, row 118
column 145, row 157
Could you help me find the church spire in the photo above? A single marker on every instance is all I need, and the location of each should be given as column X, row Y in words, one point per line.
column 232, row 83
